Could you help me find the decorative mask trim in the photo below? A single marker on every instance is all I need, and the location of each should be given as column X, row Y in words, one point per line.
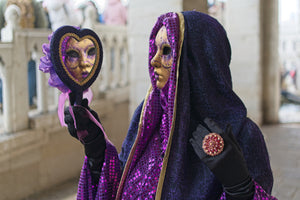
column 56, row 46
column 79, row 39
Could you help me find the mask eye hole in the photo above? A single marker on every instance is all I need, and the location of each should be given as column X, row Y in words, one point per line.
column 166, row 50
column 72, row 54
column 92, row 51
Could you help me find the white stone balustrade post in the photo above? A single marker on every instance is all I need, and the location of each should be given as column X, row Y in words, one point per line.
column 35, row 39
column 7, row 96
column 124, row 64
column 116, row 71
column 19, row 83
column 41, row 87
column 106, row 66
column 113, row 38
column 14, row 73
column 104, row 73
column 56, row 96
column 6, row 72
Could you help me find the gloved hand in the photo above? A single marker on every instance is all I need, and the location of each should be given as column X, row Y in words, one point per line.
column 86, row 130
column 229, row 166
column 88, row 133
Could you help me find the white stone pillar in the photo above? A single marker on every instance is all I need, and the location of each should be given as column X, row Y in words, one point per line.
column 45, row 94
column 270, row 61
column 6, row 76
column 199, row 5
column 116, row 76
column 41, row 87
column 105, row 68
column 7, row 105
column 252, row 28
column 108, row 56
column 124, row 64
column 19, row 83
column 244, row 32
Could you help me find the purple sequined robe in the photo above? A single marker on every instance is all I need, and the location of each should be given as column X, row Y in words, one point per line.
column 157, row 160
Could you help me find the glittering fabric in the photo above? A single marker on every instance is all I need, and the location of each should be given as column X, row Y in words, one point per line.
column 260, row 194
column 145, row 166
column 204, row 90
column 109, row 178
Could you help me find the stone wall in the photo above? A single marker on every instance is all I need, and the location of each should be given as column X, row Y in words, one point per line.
column 46, row 155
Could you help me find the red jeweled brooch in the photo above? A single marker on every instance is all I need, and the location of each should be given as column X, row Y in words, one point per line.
column 213, row 144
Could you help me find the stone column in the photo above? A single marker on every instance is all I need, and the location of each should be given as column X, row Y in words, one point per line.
column 7, row 96
column 117, row 62
column 244, row 32
column 252, row 28
column 270, row 61
column 6, row 75
column 199, row 5
column 19, row 83
column 105, row 69
column 41, row 86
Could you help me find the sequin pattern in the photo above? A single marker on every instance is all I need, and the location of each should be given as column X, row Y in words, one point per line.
column 109, row 178
column 145, row 166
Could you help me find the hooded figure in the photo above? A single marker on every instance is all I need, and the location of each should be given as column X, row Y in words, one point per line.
column 164, row 155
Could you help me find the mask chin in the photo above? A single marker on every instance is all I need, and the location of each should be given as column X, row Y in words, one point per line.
column 164, row 87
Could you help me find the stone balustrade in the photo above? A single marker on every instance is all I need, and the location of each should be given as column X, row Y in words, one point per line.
column 27, row 44
column 36, row 153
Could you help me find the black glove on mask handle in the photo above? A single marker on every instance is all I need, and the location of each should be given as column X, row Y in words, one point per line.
column 93, row 140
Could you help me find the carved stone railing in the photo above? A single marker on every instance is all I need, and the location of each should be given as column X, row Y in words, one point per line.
column 114, row 72
column 27, row 44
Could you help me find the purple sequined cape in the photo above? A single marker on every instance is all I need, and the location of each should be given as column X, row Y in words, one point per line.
column 199, row 86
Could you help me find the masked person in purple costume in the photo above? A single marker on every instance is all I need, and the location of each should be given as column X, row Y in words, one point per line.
column 164, row 154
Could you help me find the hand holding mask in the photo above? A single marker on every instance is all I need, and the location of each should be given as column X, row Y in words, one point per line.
column 73, row 58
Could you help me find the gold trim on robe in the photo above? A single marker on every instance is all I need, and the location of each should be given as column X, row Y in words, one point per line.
column 166, row 157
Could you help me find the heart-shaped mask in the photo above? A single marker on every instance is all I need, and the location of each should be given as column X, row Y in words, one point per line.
column 77, row 57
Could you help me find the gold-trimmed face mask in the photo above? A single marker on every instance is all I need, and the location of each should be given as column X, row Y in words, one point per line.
column 80, row 57
column 163, row 59
column 76, row 55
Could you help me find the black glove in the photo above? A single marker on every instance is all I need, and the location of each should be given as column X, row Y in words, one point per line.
column 94, row 141
column 229, row 166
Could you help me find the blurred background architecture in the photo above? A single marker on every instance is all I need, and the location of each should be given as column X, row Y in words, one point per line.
column 37, row 154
